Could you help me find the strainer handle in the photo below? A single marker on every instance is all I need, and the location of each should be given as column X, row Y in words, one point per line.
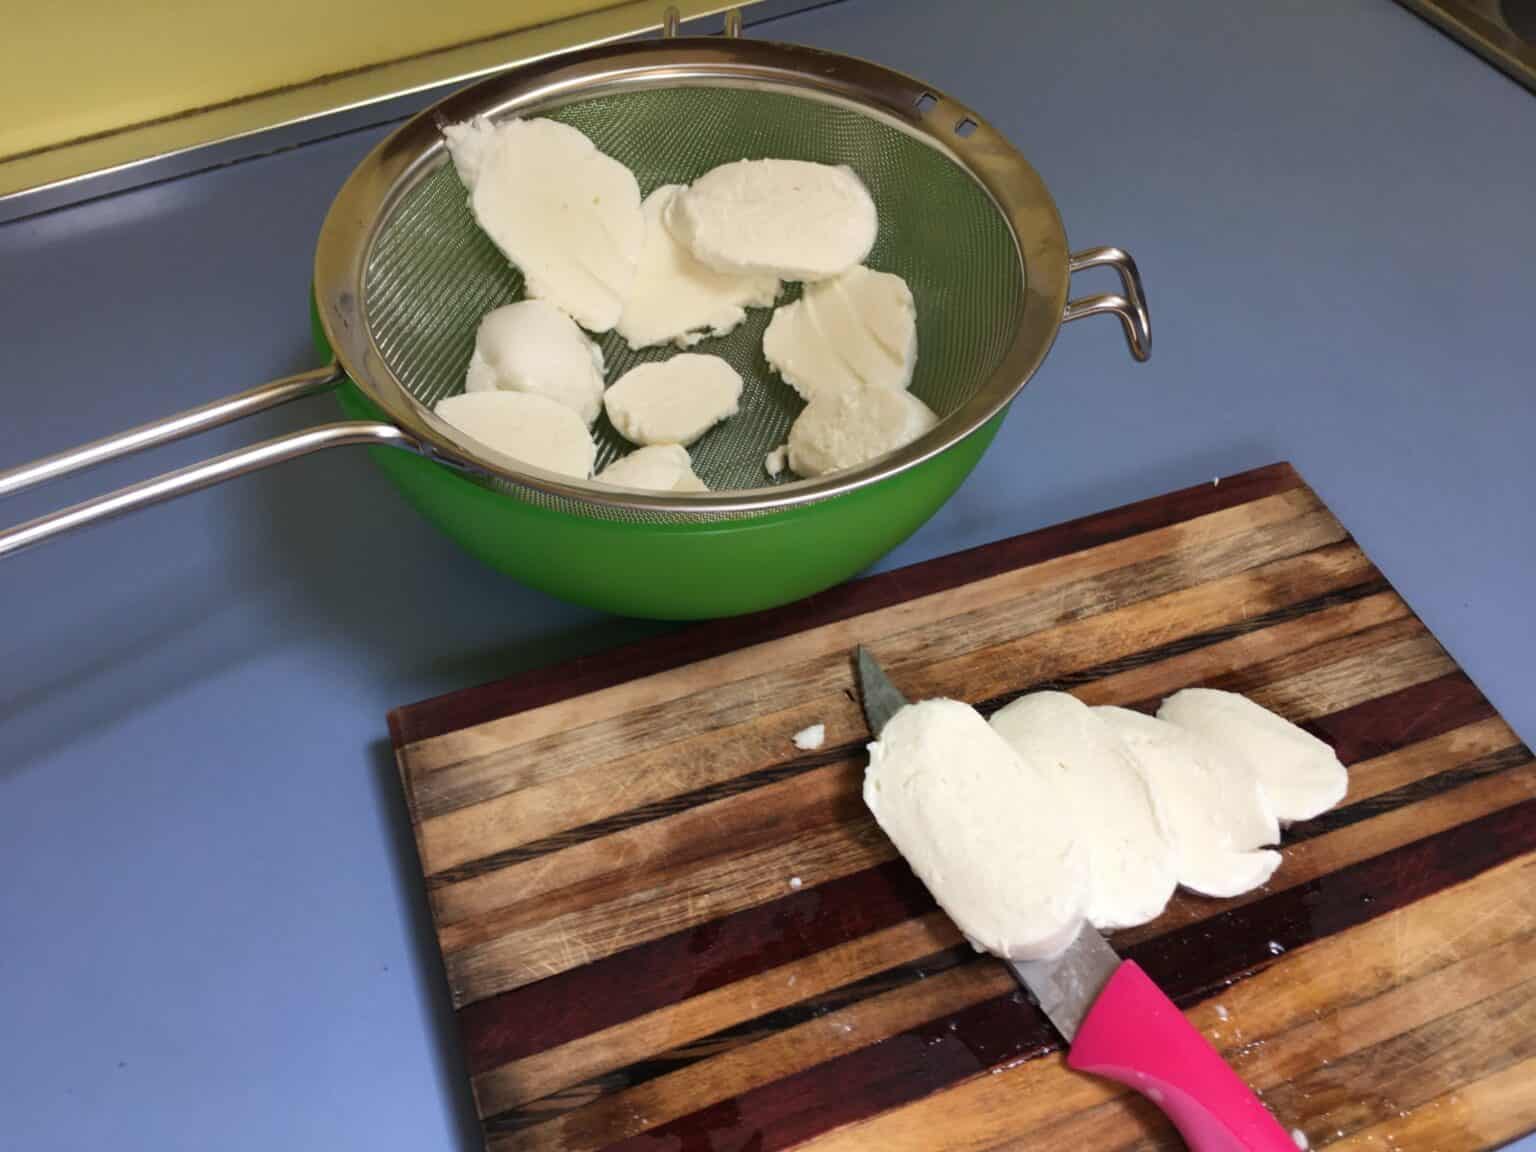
column 1131, row 306
column 194, row 476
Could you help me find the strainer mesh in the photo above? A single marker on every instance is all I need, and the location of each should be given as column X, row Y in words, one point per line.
column 432, row 273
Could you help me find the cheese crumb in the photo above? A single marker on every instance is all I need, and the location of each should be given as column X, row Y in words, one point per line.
column 776, row 461
column 795, row 882
column 1299, row 1138
column 1222, row 1013
column 809, row 739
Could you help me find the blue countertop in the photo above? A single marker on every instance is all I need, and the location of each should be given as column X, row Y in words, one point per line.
column 212, row 936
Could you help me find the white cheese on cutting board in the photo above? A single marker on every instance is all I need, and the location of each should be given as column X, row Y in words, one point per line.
column 567, row 215
column 1131, row 871
column 982, row 826
column 655, row 468
column 792, row 219
column 1299, row 774
column 678, row 299
column 846, row 427
column 527, row 427
column 532, row 346
column 673, row 401
column 1210, row 805
column 857, row 328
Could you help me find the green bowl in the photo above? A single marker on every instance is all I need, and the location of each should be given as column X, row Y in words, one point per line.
column 678, row 571
column 682, row 571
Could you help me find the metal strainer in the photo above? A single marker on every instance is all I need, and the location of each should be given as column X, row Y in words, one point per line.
column 403, row 275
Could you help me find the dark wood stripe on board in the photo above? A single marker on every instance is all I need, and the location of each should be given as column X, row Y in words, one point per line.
column 1189, row 965
column 717, row 1043
column 450, row 713
column 666, row 971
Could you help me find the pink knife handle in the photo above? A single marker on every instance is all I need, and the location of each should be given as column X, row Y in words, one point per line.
column 1135, row 1035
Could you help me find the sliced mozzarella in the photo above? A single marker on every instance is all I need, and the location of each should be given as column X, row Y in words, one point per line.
column 673, row 401
column 1131, row 868
column 981, row 826
column 656, row 468
column 848, row 426
column 1300, row 775
column 860, row 327
column 1210, row 805
column 789, row 218
column 532, row 346
column 527, row 427
column 567, row 215
column 675, row 297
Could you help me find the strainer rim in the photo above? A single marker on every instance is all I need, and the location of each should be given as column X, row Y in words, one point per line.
column 416, row 150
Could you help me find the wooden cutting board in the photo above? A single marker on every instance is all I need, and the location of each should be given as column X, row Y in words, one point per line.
column 664, row 926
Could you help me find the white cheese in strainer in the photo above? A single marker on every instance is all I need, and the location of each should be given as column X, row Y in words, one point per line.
column 676, row 298
column 789, row 218
column 656, row 468
column 532, row 346
column 527, row 427
column 846, row 427
column 673, row 401
column 858, row 328
column 567, row 215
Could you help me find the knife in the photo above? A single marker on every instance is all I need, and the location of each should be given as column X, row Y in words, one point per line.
column 1119, row 1024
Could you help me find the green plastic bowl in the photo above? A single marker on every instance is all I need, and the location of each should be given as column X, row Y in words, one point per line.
column 681, row 571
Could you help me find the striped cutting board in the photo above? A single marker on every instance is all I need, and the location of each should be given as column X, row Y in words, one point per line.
column 663, row 926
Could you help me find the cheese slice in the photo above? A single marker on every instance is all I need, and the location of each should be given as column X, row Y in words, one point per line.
column 678, row 299
column 1130, row 862
column 567, row 215
column 981, row 826
column 655, row 468
column 846, row 427
column 788, row 218
column 858, row 328
column 1299, row 774
column 529, row 428
column 1211, row 805
column 673, row 401
column 532, row 346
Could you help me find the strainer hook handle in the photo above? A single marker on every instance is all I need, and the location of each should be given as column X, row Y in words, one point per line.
column 1130, row 305
column 195, row 476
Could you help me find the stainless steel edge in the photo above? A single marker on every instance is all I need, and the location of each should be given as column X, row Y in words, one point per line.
column 188, row 423
column 1131, row 307
column 879, row 697
column 1066, row 986
column 201, row 475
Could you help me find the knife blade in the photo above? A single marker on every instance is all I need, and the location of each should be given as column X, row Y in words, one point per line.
column 1117, row 1022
